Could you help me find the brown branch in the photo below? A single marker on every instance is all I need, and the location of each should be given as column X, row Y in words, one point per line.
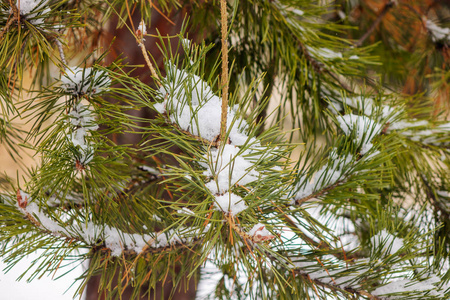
column 8, row 24
column 224, row 81
column 140, row 40
column 377, row 21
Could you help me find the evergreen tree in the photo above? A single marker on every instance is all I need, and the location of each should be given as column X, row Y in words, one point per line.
column 297, row 149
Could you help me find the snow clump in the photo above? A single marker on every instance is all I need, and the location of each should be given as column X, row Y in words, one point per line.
column 26, row 7
column 364, row 128
column 230, row 203
column 329, row 174
column 191, row 104
column 85, row 81
column 259, row 233
column 228, row 166
column 438, row 33
column 390, row 243
column 81, row 117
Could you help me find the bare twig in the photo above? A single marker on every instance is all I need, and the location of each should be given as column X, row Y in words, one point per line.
column 224, row 81
column 8, row 24
column 377, row 21
column 140, row 39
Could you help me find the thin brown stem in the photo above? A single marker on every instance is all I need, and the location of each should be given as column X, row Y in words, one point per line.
column 224, row 81
column 6, row 28
column 377, row 21
column 140, row 40
column 149, row 64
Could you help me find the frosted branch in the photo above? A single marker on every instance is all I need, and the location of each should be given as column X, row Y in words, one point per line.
column 117, row 241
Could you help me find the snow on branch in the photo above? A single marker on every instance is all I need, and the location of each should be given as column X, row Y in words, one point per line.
column 363, row 127
column 191, row 104
column 114, row 239
column 81, row 117
column 437, row 33
column 85, row 81
column 387, row 242
column 325, row 179
column 32, row 10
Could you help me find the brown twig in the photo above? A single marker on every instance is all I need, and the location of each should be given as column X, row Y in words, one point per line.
column 224, row 81
column 377, row 21
column 140, row 40
column 8, row 24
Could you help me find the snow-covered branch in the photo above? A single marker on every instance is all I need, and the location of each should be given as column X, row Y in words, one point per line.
column 103, row 236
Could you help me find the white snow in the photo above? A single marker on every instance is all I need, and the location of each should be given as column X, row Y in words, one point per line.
column 150, row 170
column 399, row 125
column 259, row 233
column 85, row 81
column 390, row 243
column 327, row 175
column 229, row 203
column 324, row 53
column 438, row 33
column 81, row 116
column 364, row 103
column 191, row 104
column 185, row 211
column 364, row 128
column 316, row 271
column 444, row 194
column 27, row 8
column 228, row 166
column 408, row 285
column 186, row 43
column 142, row 29
column 115, row 239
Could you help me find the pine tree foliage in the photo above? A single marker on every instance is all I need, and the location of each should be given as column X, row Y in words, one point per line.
column 327, row 177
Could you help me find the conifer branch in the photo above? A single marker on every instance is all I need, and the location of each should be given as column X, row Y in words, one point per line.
column 224, row 81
